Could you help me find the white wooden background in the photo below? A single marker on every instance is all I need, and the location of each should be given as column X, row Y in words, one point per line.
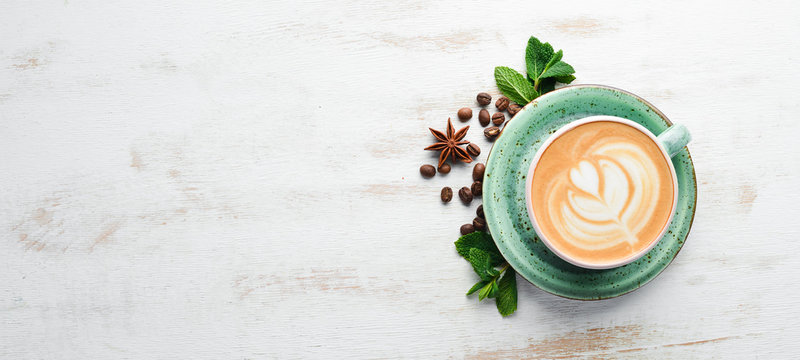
column 239, row 180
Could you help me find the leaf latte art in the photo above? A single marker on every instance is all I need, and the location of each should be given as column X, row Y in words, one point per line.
column 602, row 192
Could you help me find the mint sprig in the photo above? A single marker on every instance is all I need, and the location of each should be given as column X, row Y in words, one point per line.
column 507, row 293
column 514, row 85
column 481, row 263
column 482, row 241
column 480, row 251
column 544, row 67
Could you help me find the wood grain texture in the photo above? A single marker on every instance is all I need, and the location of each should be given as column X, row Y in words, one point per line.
column 239, row 180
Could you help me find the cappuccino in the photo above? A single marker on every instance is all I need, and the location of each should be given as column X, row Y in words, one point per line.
column 602, row 192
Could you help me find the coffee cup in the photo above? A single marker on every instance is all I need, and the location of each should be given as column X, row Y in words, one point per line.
column 601, row 191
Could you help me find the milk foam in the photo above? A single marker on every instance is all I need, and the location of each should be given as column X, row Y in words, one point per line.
column 608, row 200
column 602, row 191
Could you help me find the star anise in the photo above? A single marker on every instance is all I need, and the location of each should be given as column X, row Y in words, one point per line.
column 449, row 144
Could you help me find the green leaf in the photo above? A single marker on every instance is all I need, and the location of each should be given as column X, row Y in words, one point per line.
column 493, row 272
column 558, row 69
column 547, row 85
column 479, row 240
column 475, row 287
column 514, row 86
column 495, row 288
column 543, row 63
column 536, row 57
column 552, row 61
column 506, row 300
column 485, row 291
column 565, row 79
column 481, row 263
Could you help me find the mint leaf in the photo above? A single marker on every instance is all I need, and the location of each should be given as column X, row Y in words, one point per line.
column 543, row 63
column 558, row 69
column 493, row 272
column 475, row 287
column 506, row 300
column 481, row 263
column 536, row 57
column 480, row 240
column 485, row 291
column 547, row 85
column 495, row 288
column 565, row 79
column 514, row 86
column 552, row 61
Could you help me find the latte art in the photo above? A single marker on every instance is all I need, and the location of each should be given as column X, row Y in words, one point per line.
column 601, row 192
column 616, row 211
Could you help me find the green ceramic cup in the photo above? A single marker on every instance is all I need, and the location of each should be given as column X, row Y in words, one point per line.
column 504, row 202
column 670, row 142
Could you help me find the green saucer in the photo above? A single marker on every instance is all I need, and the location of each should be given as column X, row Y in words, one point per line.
column 504, row 194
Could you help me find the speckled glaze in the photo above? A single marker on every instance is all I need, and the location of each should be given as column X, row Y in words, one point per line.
column 504, row 194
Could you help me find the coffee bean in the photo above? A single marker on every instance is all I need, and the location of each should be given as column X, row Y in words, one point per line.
column 479, row 212
column 513, row 109
column 447, row 194
column 477, row 172
column 498, row 118
column 444, row 169
column 477, row 188
column 427, row 170
column 479, row 224
column 502, row 103
column 465, row 194
column 467, row 229
column 483, row 117
column 465, row 114
column 473, row 149
column 491, row 132
column 484, row 99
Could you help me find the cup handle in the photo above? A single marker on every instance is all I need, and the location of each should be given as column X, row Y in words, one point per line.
column 674, row 138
